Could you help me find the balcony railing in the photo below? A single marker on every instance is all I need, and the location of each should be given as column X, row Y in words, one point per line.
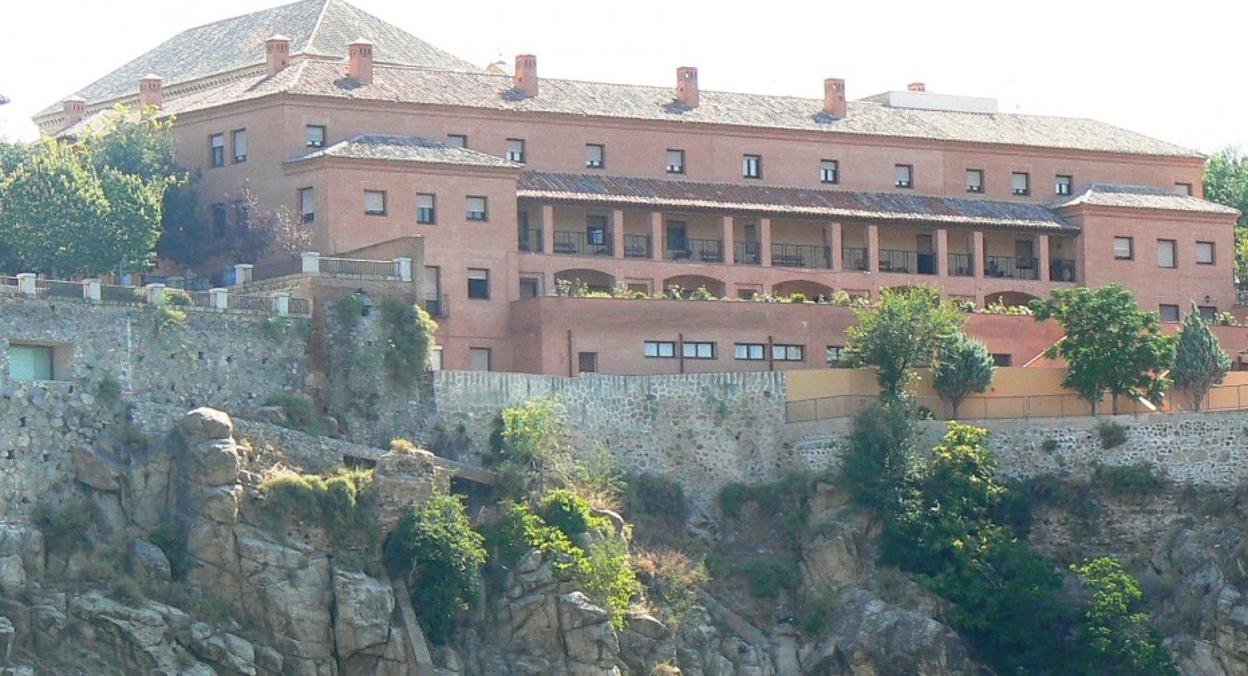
column 636, row 246
column 698, row 250
column 853, row 258
column 801, row 256
column 907, row 262
column 747, row 253
column 357, row 267
column 531, row 239
column 436, row 306
column 961, row 265
column 576, row 243
column 1062, row 270
column 1011, row 267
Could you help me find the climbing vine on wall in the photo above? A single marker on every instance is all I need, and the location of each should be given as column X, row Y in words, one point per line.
column 408, row 333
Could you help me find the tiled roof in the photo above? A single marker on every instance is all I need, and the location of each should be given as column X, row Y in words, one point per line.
column 782, row 201
column 315, row 27
column 1141, row 197
column 406, row 149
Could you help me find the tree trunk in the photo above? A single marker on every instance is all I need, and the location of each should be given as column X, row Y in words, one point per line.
column 1114, row 404
column 955, row 408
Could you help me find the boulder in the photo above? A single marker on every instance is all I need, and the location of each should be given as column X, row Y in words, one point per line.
column 12, row 576
column 363, row 606
column 205, row 423
column 150, row 565
column 96, row 471
column 214, row 462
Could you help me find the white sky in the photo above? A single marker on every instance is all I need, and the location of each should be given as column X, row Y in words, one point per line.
column 1170, row 70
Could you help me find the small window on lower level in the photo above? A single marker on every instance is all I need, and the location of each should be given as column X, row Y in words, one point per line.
column 1208, row 313
column 587, row 362
column 836, row 355
column 479, row 359
column 659, row 349
column 749, row 351
column 1002, row 359
column 32, row 362
column 698, row 350
column 788, row 352
column 1169, row 313
column 435, row 358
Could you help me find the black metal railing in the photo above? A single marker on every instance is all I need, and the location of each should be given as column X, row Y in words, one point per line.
column 747, row 253
column 801, row 256
column 636, row 246
column 436, row 306
column 907, row 262
column 698, row 250
column 1062, row 270
column 853, row 258
column 961, row 265
column 531, row 239
column 576, row 243
column 1011, row 267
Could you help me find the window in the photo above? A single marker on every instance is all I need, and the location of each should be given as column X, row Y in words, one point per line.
column 216, row 145
column 478, row 359
column 752, row 166
column 1124, row 248
column 433, row 291
column 903, row 175
column 749, row 351
column 836, row 354
column 435, row 358
column 30, row 362
column 675, row 161
column 530, row 287
column 1020, row 183
column 1166, row 255
column 1208, row 313
column 375, row 202
column 515, row 150
column 1183, row 188
column 307, row 205
column 595, row 155
column 1204, row 253
column 457, row 140
column 1002, row 359
column 788, row 352
column 314, row 136
column 596, row 230
column 1061, row 184
column 974, row 180
column 240, row 145
column 478, row 283
column 475, row 207
column 587, row 362
column 242, row 214
column 426, row 208
column 1169, row 313
column 659, row 349
column 220, row 217
column 829, row 171
column 697, row 350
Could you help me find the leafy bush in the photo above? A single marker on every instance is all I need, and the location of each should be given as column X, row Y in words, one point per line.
column 166, row 318
column 519, row 530
column 658, row 497
column 878, row 457
column 609, row 578
column 1137, row 479
column 571, row 513
column 408, row 332
column 438, row 553
column 1113, row 635
column 671, row 578
column 64, row 527
column 702, row 293
column 348, row 310
column 532, row 442
column 1111, row 434
column 798, row 297
column 813, row 617
column 177, row 297
column 767, row 576
column 127, row 591
column 275, row 327
column 401, row 445
column 786, row 501
column 343, row 504
column 300, row 412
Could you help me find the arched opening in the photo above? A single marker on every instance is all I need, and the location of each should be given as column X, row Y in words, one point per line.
column 812, row 290
column 1009, row 298
column 586, row 280
column 689, row 285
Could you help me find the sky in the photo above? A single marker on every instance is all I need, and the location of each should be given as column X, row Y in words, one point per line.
column 1170, row 70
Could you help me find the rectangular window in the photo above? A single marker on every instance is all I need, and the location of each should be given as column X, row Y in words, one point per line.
column 752, row 166
column 216, row 146
column 476, row 208
column 749, row 351
column 1062, row 184
column 974, row 180
column 587, row 362
column 1124, row 248
column 515, row 150
column 659, row 349
column 479, row 359
column 220, row 218
column 1208, row 313
column 457, row 140
column 1002, row 359
column 788, row 352
column 530, row 287
column 1183, row 189
column 698, row 350
column 435, row 358
column 903, row 175
column 1166, row 254
column 829, row 171
column 375, row 202
column 433, row 291
column 1020, row 183
column 836, row 354
column 314, row 136
column 30, row 362
column 478, row 283
column 426, row 208
column 1169, row 313
column 307, row 205
column 1204, row 253
column 240, row 145
column 675, row 161
column 595, row 156
column 596, row 230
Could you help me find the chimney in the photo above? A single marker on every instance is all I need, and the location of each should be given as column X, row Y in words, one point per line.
column 526, row 74
column 276, row 53
column 149, row 91
column 361, row 61
column 916, row 87
column 834, row 97
column 687, row 86
column 75, row 109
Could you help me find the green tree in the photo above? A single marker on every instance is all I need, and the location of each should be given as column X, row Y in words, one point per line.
column 901, row 333
column 1226, row 182
column 963, row 366
column 879, row 456
column 1199, row 361
column 1113, row 635
column 1110, row 344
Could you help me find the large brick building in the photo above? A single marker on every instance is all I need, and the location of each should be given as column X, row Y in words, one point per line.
column 517, row 181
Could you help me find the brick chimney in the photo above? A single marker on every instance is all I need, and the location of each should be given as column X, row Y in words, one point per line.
column 149, row 91
column 687, row 86
column 75, row 108
column 276, row 53
column 360, row 66
column 526, row 74
column 834, row 97
column 916, row 87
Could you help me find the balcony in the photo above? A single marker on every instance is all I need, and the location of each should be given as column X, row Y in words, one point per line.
column 575, row 243
column 853, row 258
column 801, row 256
column 1062, row 269
column 1012, row 267
column 696, row 250
column 747, row 253
column 436, row 306
column 531, row 240
column 907, row 262
column 636, row 246
column 961, row 265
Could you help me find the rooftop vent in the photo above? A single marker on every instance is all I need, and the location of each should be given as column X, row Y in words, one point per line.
column 526, row 74
column 687, row 86
column 276, row 53
column 360, row 61
column 921, row 99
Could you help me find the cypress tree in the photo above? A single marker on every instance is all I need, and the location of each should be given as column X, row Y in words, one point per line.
column 1199, row 363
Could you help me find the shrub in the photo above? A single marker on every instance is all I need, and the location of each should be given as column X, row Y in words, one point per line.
column 108, row 390
column 609, row 578
column 177, row 297
column 1111, row 434
column 534, row 438
column 348, row 310
column 571, row 513
column 702, row 293
column 127, row 591
column 813, row 618
column 767, row 577
column 64, row 527
column 342, row 504
column 878, row 457
column 275, row 327
column 963, row 367
column 671, row 578
column 1113, row 635
column 519, row 530
column 300, row 412
column 401, row 445
column 659, row 498
column 166, row 318
column 798, row 297
column 408, row 331
column 1137, row 479
column 438, row 553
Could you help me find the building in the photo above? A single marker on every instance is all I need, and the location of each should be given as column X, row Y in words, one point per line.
column 520, row 184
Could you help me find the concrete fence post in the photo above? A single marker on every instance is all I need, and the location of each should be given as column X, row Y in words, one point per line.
column 311, row 263
column 220, row 298
column 403, row 267
column 242, row 273
column 26, row 283
column 91, row 289
column 155, row 294
column 281, row 303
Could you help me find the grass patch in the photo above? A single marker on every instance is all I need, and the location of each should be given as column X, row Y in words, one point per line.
column 1138, row 479
column 1111, row 434
column 65, row 526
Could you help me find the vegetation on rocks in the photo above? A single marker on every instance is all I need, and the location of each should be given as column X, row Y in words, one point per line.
column 408, row 333
column 343, row 503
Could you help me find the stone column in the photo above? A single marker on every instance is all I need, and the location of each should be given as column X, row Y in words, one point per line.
column 656, row 235
column 91, row 289
column 1043, row 256
column 548, row 228
column 873, row 248
column 942, row 252
column 977, row 253
column 835, row 246
column 764, row 242
column 311, row 263
column 617, row 233
column 155, row 293
column 26, row 283
column 220, row 298
column 727, row 234
column 242, row 274
column 403, row 267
